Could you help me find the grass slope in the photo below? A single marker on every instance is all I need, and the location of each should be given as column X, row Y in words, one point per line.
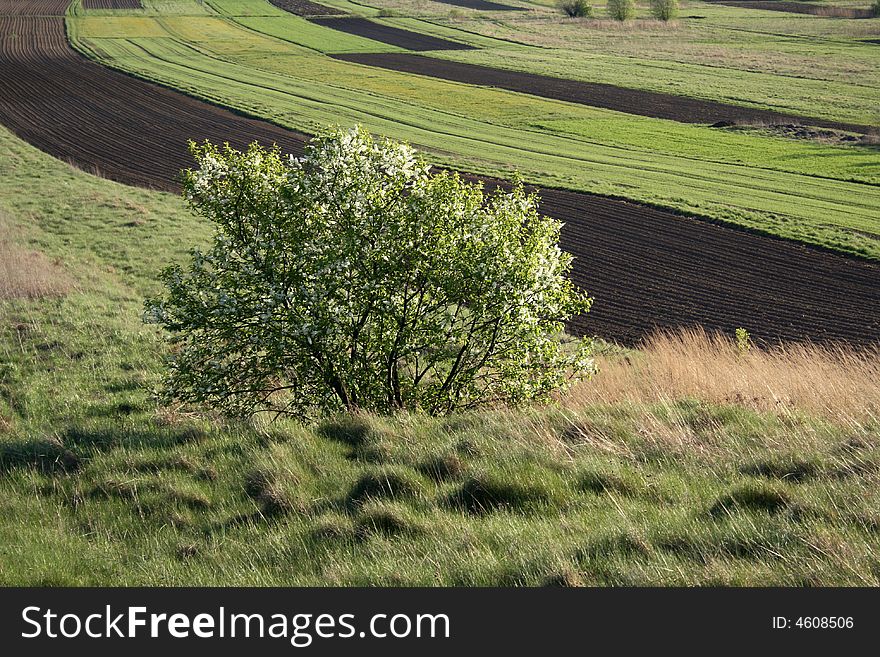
column 99, row 485
column 819, row 193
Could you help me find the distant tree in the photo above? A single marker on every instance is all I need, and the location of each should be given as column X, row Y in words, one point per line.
column 577, row 8
column 875, row 8
column 621, row 10
column 354, row 278
column 666, row 10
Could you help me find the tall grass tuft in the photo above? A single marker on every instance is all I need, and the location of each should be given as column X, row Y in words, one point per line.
column 26, row 274
column 835, row 382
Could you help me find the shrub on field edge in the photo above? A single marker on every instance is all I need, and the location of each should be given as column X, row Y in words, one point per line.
column 354, row 278
column 576, row 8
column 666, row 10
column 621, row 10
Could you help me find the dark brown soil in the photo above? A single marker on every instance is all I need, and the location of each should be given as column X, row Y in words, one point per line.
column 646, row 267
column 306, row 8
column 829, row 11
column 391, row 35
column 649, row 268
column 795, row 131
column 621, row 99
column 102, row 120
column 112, row 4
column 33, row 8
column 481, row 5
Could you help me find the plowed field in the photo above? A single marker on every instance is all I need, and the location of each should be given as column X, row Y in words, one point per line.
column 104, row 121
column 111, row 4
column 621, row 99
column 829, row 11
column 481, row 5
column 33, row 8
column 394, row 36
column 306, row 8
column 646, row 268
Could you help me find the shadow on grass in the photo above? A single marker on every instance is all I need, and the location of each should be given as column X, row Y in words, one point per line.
column 114, row 410
column 605, row 482
column 442, row 468
column 46, row 456
column 387, row 483
column 238, row 520
column 68, row 454
column 387, row 522
column 482, row 495
column 351, row 431
column 613, row 545
column 102, row 438
column 793, row 469
column 262, row 487
column 753, row 496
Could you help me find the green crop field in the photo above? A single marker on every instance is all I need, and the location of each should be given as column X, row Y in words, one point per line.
column 265, row 62
column 808, row 65
column 99, row 484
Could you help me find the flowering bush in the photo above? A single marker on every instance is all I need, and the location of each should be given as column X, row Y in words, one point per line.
column 354, row 278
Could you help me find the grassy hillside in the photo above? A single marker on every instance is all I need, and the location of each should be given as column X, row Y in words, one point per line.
column 727, row 478
column 818, row 192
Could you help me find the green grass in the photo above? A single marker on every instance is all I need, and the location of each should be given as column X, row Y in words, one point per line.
column 819, row 193
column 801, row 64
column 301, row 32
column 99, row 485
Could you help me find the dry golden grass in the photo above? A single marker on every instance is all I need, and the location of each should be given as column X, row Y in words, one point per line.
column 28, row 274
column 835, row 382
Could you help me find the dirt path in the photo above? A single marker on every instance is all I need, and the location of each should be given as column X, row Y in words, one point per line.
column 620, row 99
column 646, row 268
